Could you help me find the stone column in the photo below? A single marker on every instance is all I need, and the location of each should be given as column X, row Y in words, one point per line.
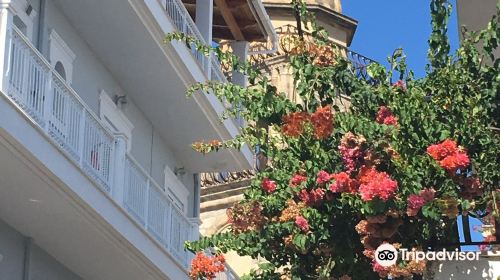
column 240, row 49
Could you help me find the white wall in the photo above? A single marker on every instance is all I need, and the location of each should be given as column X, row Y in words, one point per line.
column 11, row 248
column 41, row 265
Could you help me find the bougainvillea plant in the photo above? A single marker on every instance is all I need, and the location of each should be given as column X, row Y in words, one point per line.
column 397, row 163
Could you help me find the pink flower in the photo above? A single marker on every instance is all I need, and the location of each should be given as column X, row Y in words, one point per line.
column 428, row 194
column 302, row 223
column 304, row 196
column 415, row 202
column 268, row 185
column 297, row 180
column 385, row 116
column 351, row 149
column 376, row 184
column 342, row 183
column 323, row 177
column 400, row 84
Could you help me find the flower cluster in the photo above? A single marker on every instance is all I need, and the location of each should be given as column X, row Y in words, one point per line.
column 450, row 156
column 206, row 267
column 293, row 124
column 385, row 116
column 375, row 229
column 204, row 148
column 417, row 201
column 291, row 211
column 375, row 184
column 268, row 185
column 322, row 121
column 297, row 180
column 352, row 150
column 302, row 223
column 323, row 177
column 313, row 197
column 343, row 183
column 400, row 84
column 245, row 216
column 323, row 55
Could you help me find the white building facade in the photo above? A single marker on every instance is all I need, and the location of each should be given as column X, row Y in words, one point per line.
column 97, row 176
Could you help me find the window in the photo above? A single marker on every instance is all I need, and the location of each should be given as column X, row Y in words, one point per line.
column 19, row 23
column 60, row 70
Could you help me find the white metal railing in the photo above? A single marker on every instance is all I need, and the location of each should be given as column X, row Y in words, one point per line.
column 35, row 86
column 185, row 24
column 147, row 202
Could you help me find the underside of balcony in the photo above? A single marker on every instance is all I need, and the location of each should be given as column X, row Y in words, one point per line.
column 156, row 76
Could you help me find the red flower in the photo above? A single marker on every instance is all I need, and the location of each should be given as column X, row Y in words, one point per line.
column 268, row 185
column 322, row 121
column 385, row 116
column 297, row 179
column 302, row 223
column 376, row 184
column 454, row 162
column 322, row 177
column 293, row 124
column 314, row 197
column 449, row 155
column 343, row 183
column 440, row 151
column 206, row 267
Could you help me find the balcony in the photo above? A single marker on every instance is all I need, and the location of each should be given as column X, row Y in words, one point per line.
column 185, row 24
column 57, row 110
column 155, row 75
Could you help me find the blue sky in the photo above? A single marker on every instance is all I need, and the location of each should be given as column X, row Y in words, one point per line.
column 386, row 25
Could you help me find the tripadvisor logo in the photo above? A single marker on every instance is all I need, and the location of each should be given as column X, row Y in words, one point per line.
column 387, row 255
